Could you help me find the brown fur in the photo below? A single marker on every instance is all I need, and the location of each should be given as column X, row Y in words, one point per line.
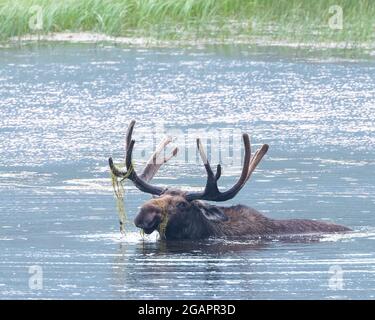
column 248, row 221
column 196, row 220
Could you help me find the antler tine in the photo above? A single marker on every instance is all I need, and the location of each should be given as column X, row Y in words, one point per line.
column 211, row 184
column 174, row 153
column 115, row 170
column 154, row 163
column 218, row 172
column 229, row 194
column 204, row 158
column 129, row 134
column 128, row 157
column 206, row 162
column 256, row 159
column 118, row 172
column 211, row 191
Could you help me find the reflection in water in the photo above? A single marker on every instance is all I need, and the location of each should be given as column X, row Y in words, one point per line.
column 181, row 268
column 162, row 267
column 218, row 247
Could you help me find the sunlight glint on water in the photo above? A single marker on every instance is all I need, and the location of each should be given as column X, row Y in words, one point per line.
column 64, row 110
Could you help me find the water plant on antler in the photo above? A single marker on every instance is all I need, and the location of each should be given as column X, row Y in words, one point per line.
column 119, row 174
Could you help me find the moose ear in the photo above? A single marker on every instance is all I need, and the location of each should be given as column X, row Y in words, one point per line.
column 212, row 213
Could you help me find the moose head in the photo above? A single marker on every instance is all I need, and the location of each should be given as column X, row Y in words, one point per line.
column 183, row 214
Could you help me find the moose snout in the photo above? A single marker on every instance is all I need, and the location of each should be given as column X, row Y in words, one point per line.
column 148, row 222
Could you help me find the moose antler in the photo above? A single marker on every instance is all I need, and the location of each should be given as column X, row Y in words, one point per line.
column 151, row 168
column 211, row 191
column 154, row 163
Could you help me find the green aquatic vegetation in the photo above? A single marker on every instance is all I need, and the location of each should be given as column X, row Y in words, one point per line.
column 163, row 225
column 119, row 191
column 292, row 20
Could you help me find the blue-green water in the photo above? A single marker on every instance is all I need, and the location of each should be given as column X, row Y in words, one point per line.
column 64, row 109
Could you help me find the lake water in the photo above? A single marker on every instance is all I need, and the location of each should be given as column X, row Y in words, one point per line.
column 65, row 108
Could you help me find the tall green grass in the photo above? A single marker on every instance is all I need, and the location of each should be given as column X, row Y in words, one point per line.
column 297, row 20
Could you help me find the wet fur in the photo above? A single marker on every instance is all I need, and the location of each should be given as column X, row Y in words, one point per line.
column 242, row 221
column 246, row 221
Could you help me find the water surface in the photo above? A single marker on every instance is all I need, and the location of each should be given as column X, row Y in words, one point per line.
column 64, row 110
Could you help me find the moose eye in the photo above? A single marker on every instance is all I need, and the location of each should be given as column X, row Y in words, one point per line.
column 182, row 205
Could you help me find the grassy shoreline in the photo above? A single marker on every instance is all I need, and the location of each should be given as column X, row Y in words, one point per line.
column 193, row 20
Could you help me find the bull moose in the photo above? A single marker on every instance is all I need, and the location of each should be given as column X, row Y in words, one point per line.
column 185, row 215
